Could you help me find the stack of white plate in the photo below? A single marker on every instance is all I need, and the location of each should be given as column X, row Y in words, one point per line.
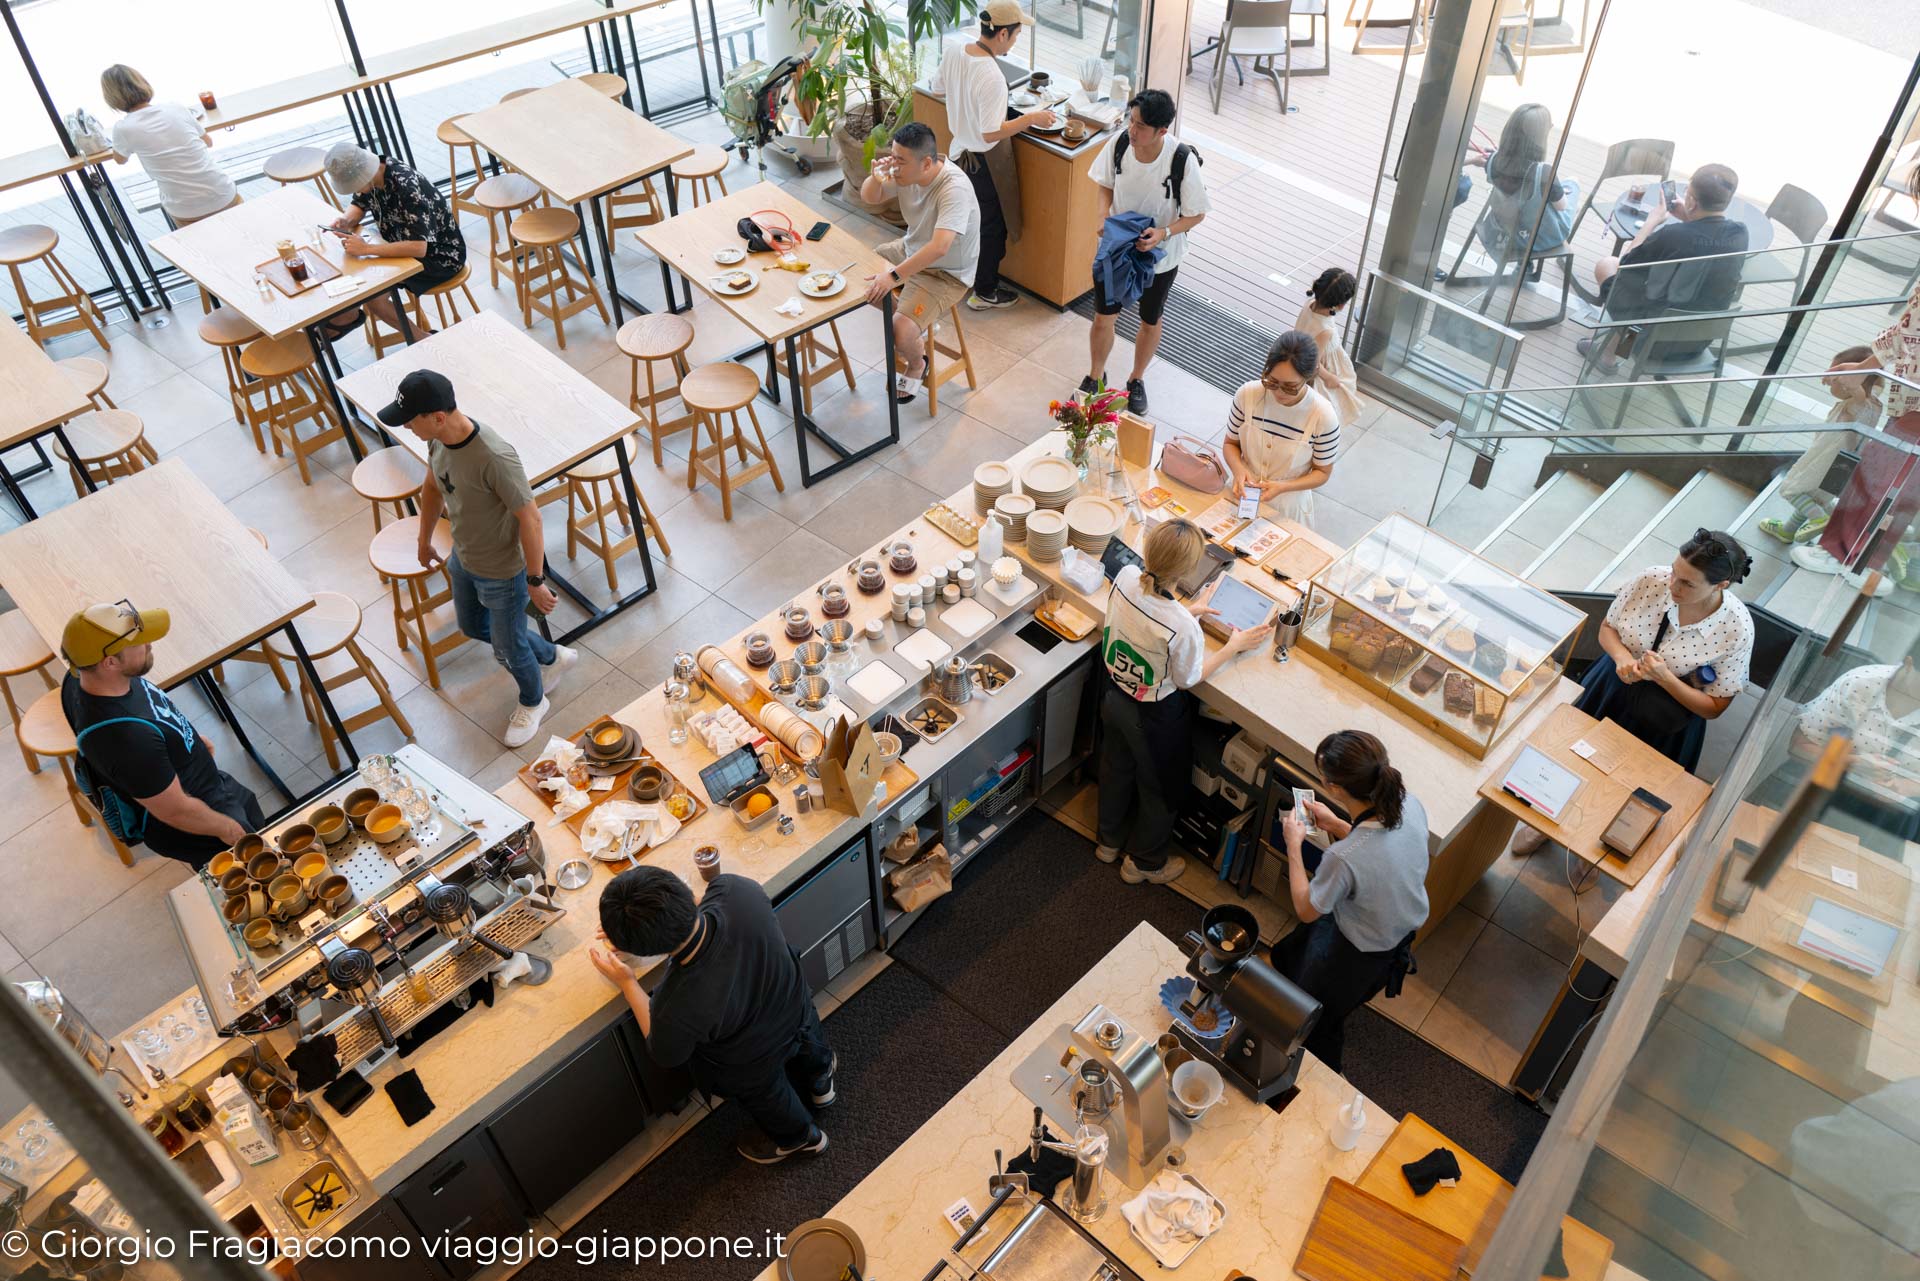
column 1046, row 535
column 1014, row 510
column 990, row 481
column 1091, row 520
column 1050, row 482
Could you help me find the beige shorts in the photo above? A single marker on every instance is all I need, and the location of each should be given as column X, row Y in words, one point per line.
column 927, row 295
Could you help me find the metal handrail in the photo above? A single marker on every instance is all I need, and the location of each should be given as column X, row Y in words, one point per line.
column 1799, row 246
column 1888, row 375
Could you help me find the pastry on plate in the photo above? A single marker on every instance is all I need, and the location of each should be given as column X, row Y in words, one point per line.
column 1460, row 642
column 1488, row 703
column 1456, row 694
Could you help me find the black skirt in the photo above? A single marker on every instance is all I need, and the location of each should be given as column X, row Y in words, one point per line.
column 1603, row 695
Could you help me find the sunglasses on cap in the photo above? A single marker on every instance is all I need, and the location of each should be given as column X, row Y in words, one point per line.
column 127, row 611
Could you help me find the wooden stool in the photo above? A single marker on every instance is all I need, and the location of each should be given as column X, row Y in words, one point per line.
column 661, row 336
column 330, row 628
column 228, row 331
column 544, row 232
column 90, row 376
column 939, row 373
column 389, row 477
column 293, row 394
column 511, row 94
column 44, row 731
column 699, row 170
column 111, row 443
column 606, row 82
column 257, row 653
column 455, row 137
column 31, row 242
column 379, row 334
column 499, row 198
column 631, row 207
column 593, row 491
column 713, row 390
column 820, row 359
column 445, row 305
column 394, row 556
column 301, row 164
column 22, row 651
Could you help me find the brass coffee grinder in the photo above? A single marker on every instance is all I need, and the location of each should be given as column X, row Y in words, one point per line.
column 1253, row 1019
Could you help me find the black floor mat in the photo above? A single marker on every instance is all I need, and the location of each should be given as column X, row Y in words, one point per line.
column 1212, row 344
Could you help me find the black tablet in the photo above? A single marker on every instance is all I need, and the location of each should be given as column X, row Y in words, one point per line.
column 1118, row 556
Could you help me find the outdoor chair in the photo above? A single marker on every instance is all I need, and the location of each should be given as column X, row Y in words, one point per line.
column 1261, row 30
column 1500, row 234
column 1649, row 158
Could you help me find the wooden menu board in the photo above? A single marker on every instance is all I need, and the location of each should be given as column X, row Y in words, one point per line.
column 319, row 272
column 1355, row 1236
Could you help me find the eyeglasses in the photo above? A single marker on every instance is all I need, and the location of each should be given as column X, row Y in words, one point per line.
column 127, row 611
column 1284, row 388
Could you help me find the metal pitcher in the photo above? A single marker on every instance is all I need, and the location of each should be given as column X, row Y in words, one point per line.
column 1286, row 630
column 686, row 670
column 957, row 678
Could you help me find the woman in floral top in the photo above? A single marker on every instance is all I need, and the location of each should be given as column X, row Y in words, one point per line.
column 413, row 219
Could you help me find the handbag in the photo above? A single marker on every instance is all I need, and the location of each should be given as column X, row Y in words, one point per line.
column 1191, row 462
column 767, row 230
column 1649, row 712
column 88, row 134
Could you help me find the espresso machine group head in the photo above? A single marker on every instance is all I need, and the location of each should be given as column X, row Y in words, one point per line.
column 1265, row 1016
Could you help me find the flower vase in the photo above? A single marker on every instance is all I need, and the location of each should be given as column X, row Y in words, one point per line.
column 1080, row 454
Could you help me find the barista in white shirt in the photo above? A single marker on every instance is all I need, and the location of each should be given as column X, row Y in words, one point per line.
column 172, row 147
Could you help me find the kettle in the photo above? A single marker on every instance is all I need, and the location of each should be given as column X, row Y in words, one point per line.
column 686, row 670
column 956, row 679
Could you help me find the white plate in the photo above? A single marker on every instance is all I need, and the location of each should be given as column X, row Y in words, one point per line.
column 720, row 286
column 727, row 257
column 1059, row 123
column 806, row 285
column 1046, row 525
column 1019, row 505
column 1093, row 517
column 996, row 478
column 1049, row 477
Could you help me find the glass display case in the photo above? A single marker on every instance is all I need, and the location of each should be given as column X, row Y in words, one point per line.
column 1463, row 645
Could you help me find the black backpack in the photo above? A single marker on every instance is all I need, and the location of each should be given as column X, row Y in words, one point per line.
column 1181, row 154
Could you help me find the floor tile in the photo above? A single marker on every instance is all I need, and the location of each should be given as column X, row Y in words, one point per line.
column 721, row 547
column 292, row 514
column 1019, row 395
column 26, row 797
column 871, row 510
column 224, row 458
column 133, row 366
column 945, row 464
column 1439, row 958
column 50, row 897
column 89, row 961
column 786, row 572
column 1542, row 909
column 486, row 694
column 1378, row 477
column 711, row 619
column 1488, row 1011
column 619, row 638
column 177, row 409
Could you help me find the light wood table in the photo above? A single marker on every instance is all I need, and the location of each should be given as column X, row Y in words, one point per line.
column 687, row 241
column 581, row 145
column 36, row 398
column 554, row 417
column 161, row 539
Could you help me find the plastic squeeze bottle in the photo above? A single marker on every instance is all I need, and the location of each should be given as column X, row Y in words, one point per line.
column 1349, row 1124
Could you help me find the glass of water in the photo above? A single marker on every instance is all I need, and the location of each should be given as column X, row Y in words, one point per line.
column 375, row 770
column 418, row 810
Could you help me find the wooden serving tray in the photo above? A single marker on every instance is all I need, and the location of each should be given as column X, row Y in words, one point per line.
column 1356, row 1236
column 578, row 819
column 319, row 272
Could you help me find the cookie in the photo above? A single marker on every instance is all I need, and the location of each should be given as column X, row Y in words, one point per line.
column 1487, row 706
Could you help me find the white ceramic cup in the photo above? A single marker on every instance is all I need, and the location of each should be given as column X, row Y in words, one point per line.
column 950, row 593
column 901, row 606
column 929, row 589
column 875, row 629
column 969, row 582
column 916, row 617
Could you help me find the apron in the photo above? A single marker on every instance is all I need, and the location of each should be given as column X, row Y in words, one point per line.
column 1270, row 456
column 1136, row 649
column 1644, row 709
column 1006, row 180
column 1882, row 474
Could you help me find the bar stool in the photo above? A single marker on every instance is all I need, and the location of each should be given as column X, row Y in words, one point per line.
column 455, row 137
column 511, row 94
column 379, row 334
column 22, row 651
column 660, row 337
column 394, row 556
column 939, row 373
column 699, row 169
column 593, row 491
column 635, row 207
column 332, row 627
column 820, row 359
column 90, row 376
column 606, row 82
column 31, row 242
column 44, row 731
column 543, row 232
column 445, row 305
column 389, row 477
column 293, row 394
column 301, row 164
column 111, row 443
column 257, row 652
column 713, row 390
column 499, row 198
column 227, row 331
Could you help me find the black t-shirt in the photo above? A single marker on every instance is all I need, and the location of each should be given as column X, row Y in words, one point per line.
column 1641, row 289
column 147, row 745
column 736, row 1007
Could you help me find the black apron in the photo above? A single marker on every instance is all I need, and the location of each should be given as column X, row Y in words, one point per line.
column 1644, row 709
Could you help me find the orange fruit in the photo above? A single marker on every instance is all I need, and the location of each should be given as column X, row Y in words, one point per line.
column 758, row 804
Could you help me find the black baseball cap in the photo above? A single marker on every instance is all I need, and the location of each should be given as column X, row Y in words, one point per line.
column 420, row 392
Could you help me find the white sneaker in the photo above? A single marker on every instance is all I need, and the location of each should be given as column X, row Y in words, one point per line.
column 523, row 722
column 1815, row 559
column 1131, row 873
column 564, row 657
column 1859, row 581
column 1527, row 841
column 1107, row 853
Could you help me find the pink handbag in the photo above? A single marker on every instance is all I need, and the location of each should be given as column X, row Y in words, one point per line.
column 1192, row 463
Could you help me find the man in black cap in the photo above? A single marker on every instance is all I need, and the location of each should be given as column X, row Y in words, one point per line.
column 499, row 549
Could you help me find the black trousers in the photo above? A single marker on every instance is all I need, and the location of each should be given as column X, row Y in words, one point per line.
column 1329, row 968
column 1146, row 766
column 993, row 227
column 234, row 799
column 775, row 1096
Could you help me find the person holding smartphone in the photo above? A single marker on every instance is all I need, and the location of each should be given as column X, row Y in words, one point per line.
column 1282, row 435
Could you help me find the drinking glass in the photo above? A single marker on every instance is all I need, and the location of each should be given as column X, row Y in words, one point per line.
column 375, row 770
column 396, row 790
column 8, row 1163
column 174, row 1030
column 33, row 1142
column 149, row 1043
column 198, row 1006
column 418, row 810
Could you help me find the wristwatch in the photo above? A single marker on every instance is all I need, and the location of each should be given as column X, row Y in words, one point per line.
column 536, row 580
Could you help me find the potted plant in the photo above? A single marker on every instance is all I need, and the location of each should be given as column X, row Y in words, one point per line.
column 1088, row 420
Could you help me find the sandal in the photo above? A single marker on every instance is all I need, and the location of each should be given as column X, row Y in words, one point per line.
column 903, row 391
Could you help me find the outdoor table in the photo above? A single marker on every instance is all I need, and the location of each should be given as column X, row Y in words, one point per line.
column 36, row 399
column 1625, row 224
column 687, row 242
column 581, row 145
column 554, row 417
column 161, row 539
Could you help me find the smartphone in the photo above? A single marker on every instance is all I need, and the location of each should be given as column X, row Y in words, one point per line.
column 819, row 231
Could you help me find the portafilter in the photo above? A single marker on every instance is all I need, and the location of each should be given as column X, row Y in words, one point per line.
column 354, row 975
column 450, row 908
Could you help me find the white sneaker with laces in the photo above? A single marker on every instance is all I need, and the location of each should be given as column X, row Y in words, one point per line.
column 1107, row 853
column 564, row 657
column 523, row 722
column 1133, row 874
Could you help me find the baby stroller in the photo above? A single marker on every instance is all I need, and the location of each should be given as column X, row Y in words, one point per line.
column 751, row 101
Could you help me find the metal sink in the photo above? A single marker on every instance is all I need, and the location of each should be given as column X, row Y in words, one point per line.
column 932, row 719
column 995, row 672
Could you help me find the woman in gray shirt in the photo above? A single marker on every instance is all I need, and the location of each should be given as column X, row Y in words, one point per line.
column 1367, row 895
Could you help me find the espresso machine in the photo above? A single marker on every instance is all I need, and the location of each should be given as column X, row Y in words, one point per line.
column 1243, row 1016
column 1104, row 1073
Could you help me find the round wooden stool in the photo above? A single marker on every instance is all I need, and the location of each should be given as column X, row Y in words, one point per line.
column 550, row 287
column 301, row 164
column 394, row 555
column 29, row 243
column 499, row 198
column 291, row 386
column 606, row 82
column 22, row 651
column 389, row 477
column 445, row 306
column 450, row 133
column 228, row 331
column 332, row 627
column 594, row 492
column 511, row 94
column 660, row 337
column 111, row 443
column 90, row 376
column 698, row 170
column 709, row 392
column 43, row 731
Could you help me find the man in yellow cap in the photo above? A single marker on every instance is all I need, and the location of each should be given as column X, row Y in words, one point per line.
column 144, row 762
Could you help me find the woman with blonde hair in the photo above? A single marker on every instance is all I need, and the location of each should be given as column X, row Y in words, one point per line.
column 171, row 145
column 1154, row 652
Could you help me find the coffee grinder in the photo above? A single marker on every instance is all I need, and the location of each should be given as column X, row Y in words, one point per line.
column 1267, row 1017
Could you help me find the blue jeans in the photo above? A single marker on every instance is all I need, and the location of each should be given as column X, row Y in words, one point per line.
column 495, row 610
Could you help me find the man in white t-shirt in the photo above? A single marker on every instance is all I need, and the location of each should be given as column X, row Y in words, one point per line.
column 937, row 256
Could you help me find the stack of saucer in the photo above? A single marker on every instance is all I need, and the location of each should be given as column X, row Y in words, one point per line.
column 1091, row 520
column 1014, row 510
column 1046, row 535
column 990, row 481
column 1050, row 482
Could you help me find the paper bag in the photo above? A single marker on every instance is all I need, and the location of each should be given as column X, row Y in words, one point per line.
column 920, row 882
column 1135, row 440
column 850, row 768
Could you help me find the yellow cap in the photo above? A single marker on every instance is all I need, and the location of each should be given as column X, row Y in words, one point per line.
column 1005, row 13
column 99, row 631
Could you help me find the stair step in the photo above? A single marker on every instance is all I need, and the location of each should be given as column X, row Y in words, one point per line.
column 1540, row 517
column 1573, row 564
column 1627, row 508
column 1714, row 502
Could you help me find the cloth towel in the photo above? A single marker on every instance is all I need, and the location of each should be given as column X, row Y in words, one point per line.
column 410, row 1098
column 1437, row 1166
column 1046, row 1173
column 1123, row 271
column 315, row 1062
column 348, row 1092
column 1172, row 1211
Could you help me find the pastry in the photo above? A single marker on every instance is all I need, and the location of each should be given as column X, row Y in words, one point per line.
column 1489, row 659
column 1488, row 703
column 1418, row 587
column 1461, row 643
column 1425, row 620
column 1456, row 694
column 1342, row 611
column 1404, row 605
column 1340, row 639
column 1366, row 651
column 1427, row 676
column 1379, row 590
column 1399, row 655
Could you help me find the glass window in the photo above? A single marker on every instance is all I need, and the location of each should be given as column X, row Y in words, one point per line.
column 23, row 121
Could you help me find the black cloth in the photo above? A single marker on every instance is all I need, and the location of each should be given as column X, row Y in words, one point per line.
column 405, row 206
column 993, row 228
column 148, row 745
column 315, row 1062
column 410, row 1098
column 1153, row 303
column 347, row 1093
column 1325, row 965
column 1603, row 695
column 429, row 276
column 1146, row 766
column 1046, row 1173
column 1436, row 1165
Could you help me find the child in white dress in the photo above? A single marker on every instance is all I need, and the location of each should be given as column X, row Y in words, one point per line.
column 1334, row 379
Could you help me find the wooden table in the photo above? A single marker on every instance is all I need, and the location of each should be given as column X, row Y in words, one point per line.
column 686, row 243
column 36, row 398
column 581, row 145
column 161, row 539
column 554, row 416
column 1620, row 764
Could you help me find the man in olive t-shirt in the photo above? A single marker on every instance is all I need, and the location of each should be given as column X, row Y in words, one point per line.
column 479, row 482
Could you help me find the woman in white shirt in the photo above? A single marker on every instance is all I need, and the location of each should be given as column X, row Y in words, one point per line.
column 172, row 147
column 1334, row 377
column 1154, row 652
column 1878, row 705
column 1282, row 435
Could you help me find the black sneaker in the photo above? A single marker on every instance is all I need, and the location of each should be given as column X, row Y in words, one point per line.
column 1089, row 385
column 1136, row 397
column 999, row 298
column 822, row 1093
column 762, row 1150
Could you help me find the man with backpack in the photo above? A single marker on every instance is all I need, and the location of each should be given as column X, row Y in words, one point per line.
column 142, row 762
column 1145, row 170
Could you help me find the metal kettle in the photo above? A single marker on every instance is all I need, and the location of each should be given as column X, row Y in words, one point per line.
column 686, row 670
column 956, row 679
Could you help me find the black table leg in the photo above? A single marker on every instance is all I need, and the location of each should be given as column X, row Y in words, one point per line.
column 804, row 425
column 639, row 72
column 606, row 258
column 595, row 615
column 317, row 336
column 15, row 492
column 211, row 688
column 319, row 687
column 400, row 308
column 66, row 446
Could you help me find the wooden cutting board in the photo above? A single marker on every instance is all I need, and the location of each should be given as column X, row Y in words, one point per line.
column 1355, row 1236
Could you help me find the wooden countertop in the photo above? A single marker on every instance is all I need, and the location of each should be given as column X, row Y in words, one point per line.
column 574, row 140
column 492, row 38
column 35, row 393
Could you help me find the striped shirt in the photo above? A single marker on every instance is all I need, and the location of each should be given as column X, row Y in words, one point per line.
column 1256, row 413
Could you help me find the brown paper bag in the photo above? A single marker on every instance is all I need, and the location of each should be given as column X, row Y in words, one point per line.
column 850, row 768
column 1135, row 440
column 920, row 882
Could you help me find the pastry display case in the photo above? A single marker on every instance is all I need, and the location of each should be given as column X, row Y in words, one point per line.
column 1462, row 645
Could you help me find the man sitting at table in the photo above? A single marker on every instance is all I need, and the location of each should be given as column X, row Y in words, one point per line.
column 934, row 261
column 731, row 1003
column 144, row 764
column 413, row 218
